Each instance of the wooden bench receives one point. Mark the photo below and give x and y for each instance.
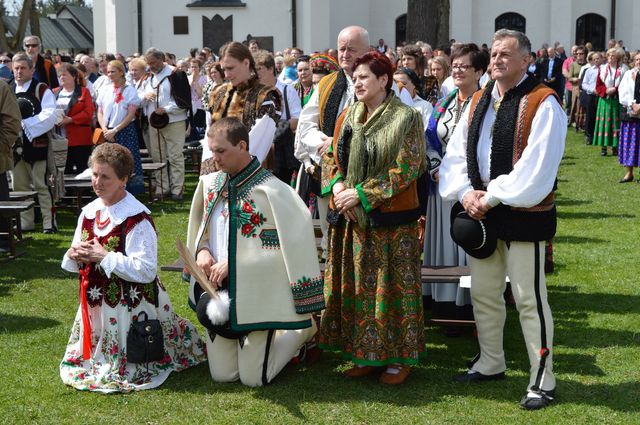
(10, 211)
(148, 169)
(193, 155)
(77, 190)
(23, 196)
(446, 275)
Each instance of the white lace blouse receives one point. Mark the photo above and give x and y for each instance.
(141, 244)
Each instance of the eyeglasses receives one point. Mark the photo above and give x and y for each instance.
(458, 67)
(31, 45)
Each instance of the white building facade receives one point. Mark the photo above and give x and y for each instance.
(127, 26)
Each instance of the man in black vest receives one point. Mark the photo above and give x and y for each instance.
(501, 164)
(38, 109)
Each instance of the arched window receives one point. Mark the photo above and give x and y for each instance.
(511, 21)
(401, 29)
(591, 27)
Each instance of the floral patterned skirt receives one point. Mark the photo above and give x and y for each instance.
(607, 122)
(373, 294)
(107, 369)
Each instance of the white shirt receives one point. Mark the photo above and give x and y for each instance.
(425, 108)
(447, 86)
(627, 87)
(589, 77)
(165, 100)
(43, 122)
(141, 244)
(99, 84)
(218, 241)
(292, 99)
(114, 113)
(308, 134)
(532, 177)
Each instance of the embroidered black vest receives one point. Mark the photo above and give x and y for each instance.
(510, 135)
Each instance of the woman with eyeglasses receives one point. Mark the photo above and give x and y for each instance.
(469, 63)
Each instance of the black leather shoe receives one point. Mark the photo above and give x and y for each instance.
(477, 377)
(626, 180)
(50, 231)
(535, 400)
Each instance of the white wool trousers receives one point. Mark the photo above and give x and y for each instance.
(523, 262)
(259, 359)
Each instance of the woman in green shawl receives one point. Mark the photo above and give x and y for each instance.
(372, 280)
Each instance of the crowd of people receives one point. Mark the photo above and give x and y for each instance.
(440, 157)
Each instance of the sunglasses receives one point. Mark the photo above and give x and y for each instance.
(31, 45)
(5, 60)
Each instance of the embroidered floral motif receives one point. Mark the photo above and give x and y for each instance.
(112, 243)
(269, 238)
(85, 235)
(249, 218)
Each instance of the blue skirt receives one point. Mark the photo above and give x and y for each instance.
(128, 137)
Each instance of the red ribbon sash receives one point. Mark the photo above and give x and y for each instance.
(86, 322)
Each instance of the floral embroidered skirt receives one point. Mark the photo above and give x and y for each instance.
(107, 369)
(607, 122)
(373, 294)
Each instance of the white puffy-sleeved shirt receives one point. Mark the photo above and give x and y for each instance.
(44, 121)
(627, 87)
(116, 102)
(160, 83)
(141, 245)
(532, 177)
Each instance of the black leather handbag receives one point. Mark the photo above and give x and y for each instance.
(145, 342)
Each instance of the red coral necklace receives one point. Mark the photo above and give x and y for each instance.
(102, 224)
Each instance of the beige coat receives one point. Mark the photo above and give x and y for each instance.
(274, 275)
(10, 126)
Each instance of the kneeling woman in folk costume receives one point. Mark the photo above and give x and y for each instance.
(372, 280)
(253, 239)
(114, 250)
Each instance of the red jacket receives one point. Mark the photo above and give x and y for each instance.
(81, 110)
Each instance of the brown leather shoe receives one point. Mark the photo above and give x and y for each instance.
(359, 372)
(398, 378)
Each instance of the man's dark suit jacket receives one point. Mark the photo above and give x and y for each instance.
(557, 82)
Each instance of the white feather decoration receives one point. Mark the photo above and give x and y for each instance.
(218, 308)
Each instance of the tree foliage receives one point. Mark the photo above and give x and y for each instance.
(428, 20)
(29, 11)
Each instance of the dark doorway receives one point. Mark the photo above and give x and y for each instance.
(511, 21)
(216, 32)
(401, 29)
(591, 28)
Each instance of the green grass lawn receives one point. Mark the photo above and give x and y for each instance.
(594, 295)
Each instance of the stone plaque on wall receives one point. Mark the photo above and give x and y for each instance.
(216, 32)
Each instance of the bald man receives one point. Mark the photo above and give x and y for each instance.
(317, 120)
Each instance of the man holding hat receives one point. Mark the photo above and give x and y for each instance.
(501, 164)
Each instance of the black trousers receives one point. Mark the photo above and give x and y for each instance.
(590, 105)
(4, 196)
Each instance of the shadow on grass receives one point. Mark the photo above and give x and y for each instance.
(571, 202)
(567, 215)
(13, 324)
(577, 239)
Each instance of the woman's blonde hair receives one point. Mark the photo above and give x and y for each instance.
(119, 66)
(443, 62)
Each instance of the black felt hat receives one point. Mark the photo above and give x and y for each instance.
(478, 238)
(27, 107)
(158, 120)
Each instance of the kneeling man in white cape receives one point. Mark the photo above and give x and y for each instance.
(253, 238)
